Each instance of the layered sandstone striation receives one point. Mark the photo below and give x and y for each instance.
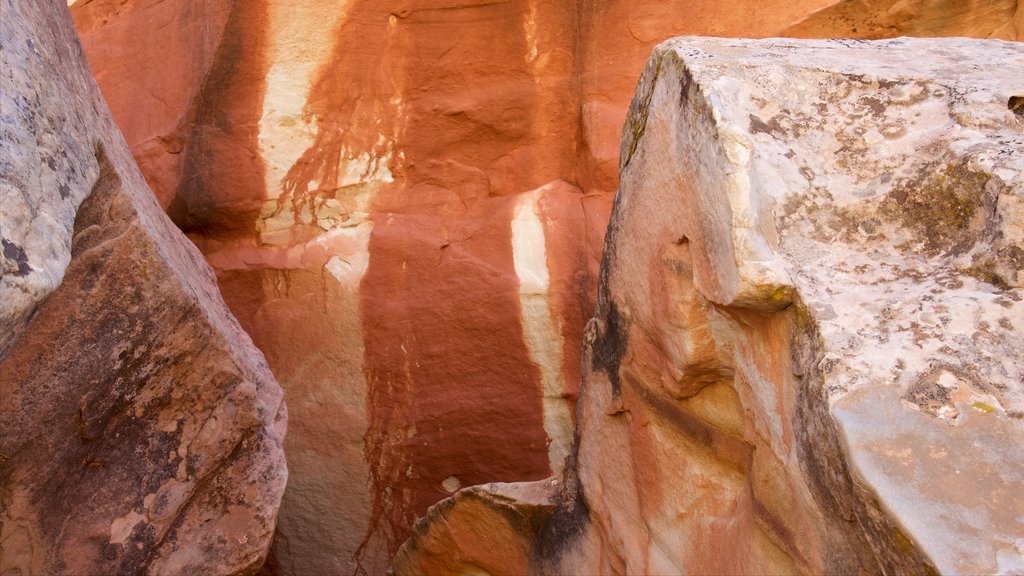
(875, 19)
(141, 430)
(807, 353)
(404, 202)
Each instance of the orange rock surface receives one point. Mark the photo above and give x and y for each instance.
(405, 202)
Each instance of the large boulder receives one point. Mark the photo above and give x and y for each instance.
(404, 201)
(140, 429)
(807, 355)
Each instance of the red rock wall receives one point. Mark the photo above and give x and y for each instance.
(366, 177)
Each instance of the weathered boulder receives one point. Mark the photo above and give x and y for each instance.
(807, 355)
(140, 429)
(404, 201)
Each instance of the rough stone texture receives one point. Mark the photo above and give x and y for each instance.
(875, 19)
(404, 202)
(807, 355)
(485, 529)
(140, 429)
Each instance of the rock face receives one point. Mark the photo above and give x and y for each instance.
(140, 429)
(807, 354)
(874, 19)
(404, 202)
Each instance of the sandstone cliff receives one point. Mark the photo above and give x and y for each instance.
(807, 353)
(405, 202)
(140, 429)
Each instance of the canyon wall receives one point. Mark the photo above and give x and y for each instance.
(807, 353)
(141, 431)
(405, 203)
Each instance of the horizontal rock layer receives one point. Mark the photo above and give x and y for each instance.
(807, 355)
(140, 429)
(405, 203)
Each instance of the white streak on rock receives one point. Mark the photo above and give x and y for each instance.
(543, 341)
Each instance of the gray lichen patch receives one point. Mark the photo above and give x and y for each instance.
(940, 206)
(935, 392)
(15, 261)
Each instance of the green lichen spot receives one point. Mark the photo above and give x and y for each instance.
(904, 543)
(983, 407)
(780, 295)
(636, 119)
(985, 271)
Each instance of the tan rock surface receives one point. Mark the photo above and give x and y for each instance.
(874, 19)
(807, 356)
(404, 202)
(140, 429)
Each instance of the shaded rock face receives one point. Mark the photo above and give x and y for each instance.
(140, 429)
(405, 204)
(807, 352)
(874, 19)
